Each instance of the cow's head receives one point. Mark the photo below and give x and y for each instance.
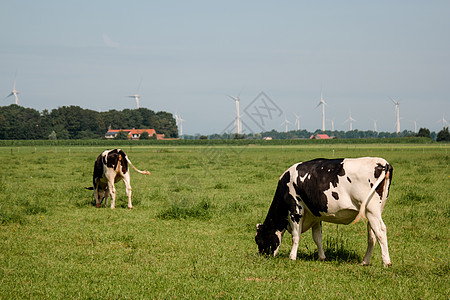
(100, 192)
(267, 240)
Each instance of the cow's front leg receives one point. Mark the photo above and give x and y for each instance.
(295, 220)
(317, 237)
(106, 199)
(97, 198)
(279, 234)
(112, 192)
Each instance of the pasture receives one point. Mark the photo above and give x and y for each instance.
(191, 232)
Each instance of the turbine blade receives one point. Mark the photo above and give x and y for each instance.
(395, 102)
(15, 77)
(139, 85)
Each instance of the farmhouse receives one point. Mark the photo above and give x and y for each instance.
(320, 137)
(133, 134)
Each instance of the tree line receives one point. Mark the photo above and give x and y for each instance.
(442, 135)
(74, 122)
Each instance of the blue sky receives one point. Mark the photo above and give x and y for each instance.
(191, 54)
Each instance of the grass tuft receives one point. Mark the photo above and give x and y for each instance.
(414, 195)
(186, 210)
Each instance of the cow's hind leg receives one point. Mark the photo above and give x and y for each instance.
(371, 239)
(317, 237)
(126, 181)
(379, 230)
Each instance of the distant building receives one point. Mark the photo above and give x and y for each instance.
(320, 137)
(133, 134)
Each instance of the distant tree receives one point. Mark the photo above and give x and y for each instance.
(203, 137)
(122, 135)
(424, 132)
(443, 135)
(20, 123)
(86, 135)
(144, 136)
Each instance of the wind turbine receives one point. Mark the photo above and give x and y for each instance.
(297, 121)
(397, 113)
(238, 117)
(443, 120)
(286, 122)
(14, 92)
(179, 121)
(136, 96)
(323, 103)
(332, 124)
(350, 120)
(375, 126)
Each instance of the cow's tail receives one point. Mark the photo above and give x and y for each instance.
(383, 176)
(145, 172)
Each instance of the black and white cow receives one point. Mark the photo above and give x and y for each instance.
(110, 167)
(331, 190)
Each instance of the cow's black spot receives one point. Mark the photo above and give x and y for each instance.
(98, 169)
(371, 185)
(378, 169)
(335, 195)
(348, 178)
(124, 162)
(296, 218)
(321, 173)
(115, 157)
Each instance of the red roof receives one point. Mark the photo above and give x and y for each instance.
(320, 137)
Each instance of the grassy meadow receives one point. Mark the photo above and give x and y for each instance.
(191, 232)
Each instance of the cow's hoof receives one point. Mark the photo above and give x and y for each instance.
(322, 258)
(98, 205)
(292, 257)
(387, 265)
(365, 264)
(130, 207)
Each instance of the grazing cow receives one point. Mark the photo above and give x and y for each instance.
(331, 190)
(110, 167)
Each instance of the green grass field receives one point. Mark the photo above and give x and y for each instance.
(191, 232)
